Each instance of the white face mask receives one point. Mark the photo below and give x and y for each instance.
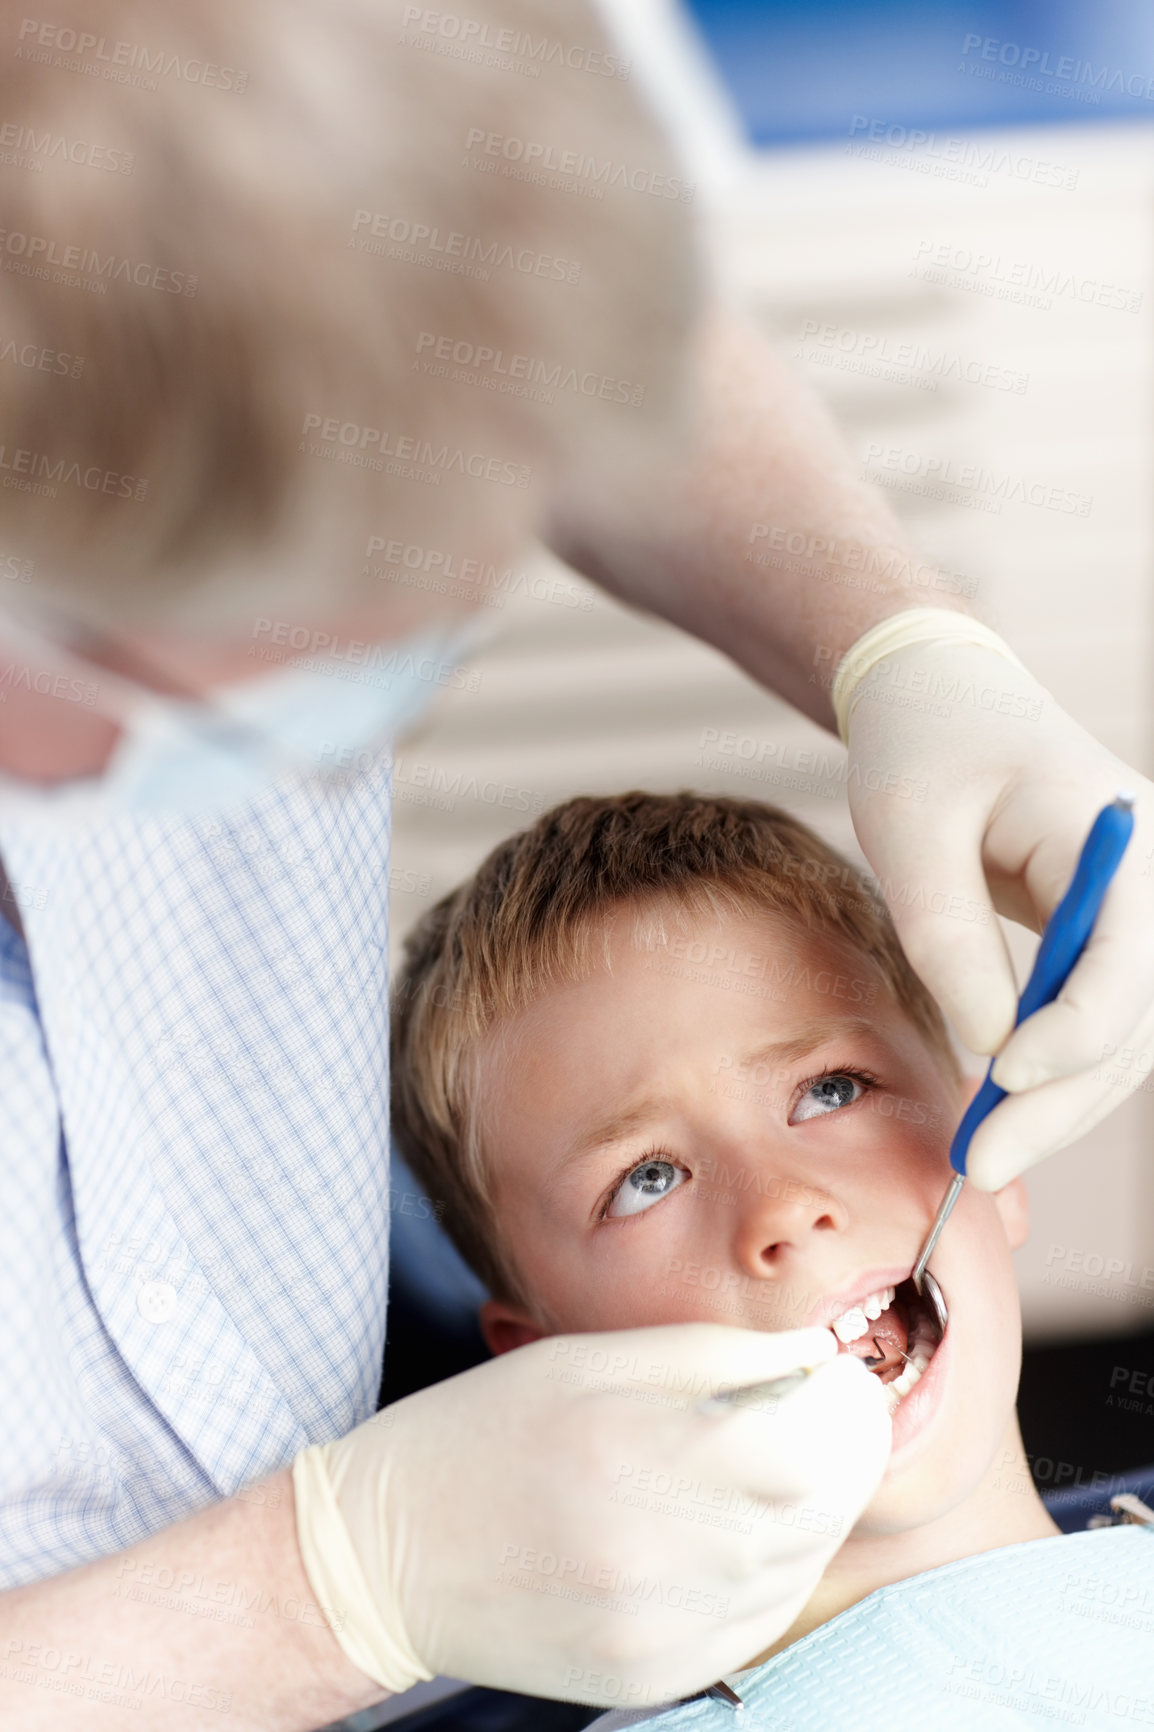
(195, 759)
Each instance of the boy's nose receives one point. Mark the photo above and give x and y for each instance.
(775, 1224)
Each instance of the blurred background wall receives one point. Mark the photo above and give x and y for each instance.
(944, 214)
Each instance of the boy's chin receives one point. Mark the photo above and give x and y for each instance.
(898, 1508)
(924, 1492)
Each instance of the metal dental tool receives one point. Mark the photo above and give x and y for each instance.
(723, 1692)
(758, 1394)
(1063, 941)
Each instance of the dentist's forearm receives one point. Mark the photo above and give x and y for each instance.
(209, 1623)
(768, 545)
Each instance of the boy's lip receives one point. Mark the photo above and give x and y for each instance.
(917, 1408)
(833, 1305)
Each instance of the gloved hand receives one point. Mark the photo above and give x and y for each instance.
(1011, 786)
(566, 1521)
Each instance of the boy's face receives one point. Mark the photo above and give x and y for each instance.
(739, 1126)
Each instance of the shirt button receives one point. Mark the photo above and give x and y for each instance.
(156, 1301)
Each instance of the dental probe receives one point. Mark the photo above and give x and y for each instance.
(1066, 935)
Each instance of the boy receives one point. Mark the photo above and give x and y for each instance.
(663, 1060)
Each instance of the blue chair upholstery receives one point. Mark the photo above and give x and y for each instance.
(1072, 1509)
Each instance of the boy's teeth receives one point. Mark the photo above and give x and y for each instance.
(902, 1385)
(852, 1324)
(850, 1327)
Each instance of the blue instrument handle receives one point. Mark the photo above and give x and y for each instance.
(1063, 941)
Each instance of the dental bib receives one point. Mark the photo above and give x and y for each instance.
(1053, 1632)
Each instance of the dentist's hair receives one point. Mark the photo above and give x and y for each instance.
(282, 274)
(537, 912)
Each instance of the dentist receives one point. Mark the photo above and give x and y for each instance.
(226, 408)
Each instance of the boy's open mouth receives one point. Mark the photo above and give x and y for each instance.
(894, 1332)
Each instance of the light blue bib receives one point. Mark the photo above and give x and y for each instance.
(1056, 1632)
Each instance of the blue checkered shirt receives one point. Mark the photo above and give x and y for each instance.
(193, 1160)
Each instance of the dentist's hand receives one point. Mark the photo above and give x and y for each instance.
(566, 1520)
(1011, 786)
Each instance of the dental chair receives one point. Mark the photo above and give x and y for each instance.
(1082, 1507)
(434, 1296)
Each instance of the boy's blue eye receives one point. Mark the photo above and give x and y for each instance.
(826, 1095)
(645, 1185)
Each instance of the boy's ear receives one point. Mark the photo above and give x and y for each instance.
(1013, 1204)
(507, 1326)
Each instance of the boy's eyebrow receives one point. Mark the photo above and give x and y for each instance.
(807, 1037)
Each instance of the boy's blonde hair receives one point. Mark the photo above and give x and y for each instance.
(235, 222)
(529, 916)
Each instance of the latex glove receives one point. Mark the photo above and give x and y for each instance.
(1011, 786)
(546, 1521)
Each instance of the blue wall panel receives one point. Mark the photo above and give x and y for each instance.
(806, 70)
